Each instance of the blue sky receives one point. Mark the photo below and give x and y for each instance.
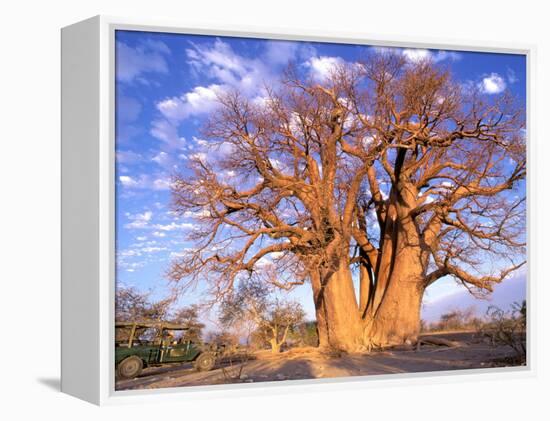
(165, 86)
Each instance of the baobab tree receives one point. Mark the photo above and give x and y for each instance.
(388, 174)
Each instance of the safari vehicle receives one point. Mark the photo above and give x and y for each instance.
(144, 344)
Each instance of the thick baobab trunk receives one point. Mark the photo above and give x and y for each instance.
(397, 319)
(338, 319)
(389, 309)
(395, 315)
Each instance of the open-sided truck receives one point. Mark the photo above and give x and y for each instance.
(143, 344)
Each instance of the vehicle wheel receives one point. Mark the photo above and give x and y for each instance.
(205, 361)
(130, 367)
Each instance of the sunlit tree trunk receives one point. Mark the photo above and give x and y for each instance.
(397, 319)
(389, 297)
(338, 316)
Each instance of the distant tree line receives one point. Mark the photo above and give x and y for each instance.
(497, 326)
(250, 316)
(136, 306)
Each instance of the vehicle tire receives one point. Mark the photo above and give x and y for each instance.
(130, 367)
(205, 361)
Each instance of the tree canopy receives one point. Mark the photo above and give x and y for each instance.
(387, 168)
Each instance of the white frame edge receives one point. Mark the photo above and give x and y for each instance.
(80, 280)
(88, 217)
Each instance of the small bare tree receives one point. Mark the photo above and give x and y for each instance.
(457, 319)
(130, 304)
(273, 317)
(133, 305)
(190, 316)
(508, 327)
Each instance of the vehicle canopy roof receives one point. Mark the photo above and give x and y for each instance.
(148, 324)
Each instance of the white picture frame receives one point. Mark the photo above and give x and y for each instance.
(88, 244)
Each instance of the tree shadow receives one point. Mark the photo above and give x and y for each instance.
(53, 383)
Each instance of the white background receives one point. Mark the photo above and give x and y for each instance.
(30, 194)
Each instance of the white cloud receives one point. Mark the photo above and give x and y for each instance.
(279, 52)
(219, 58)
(199, 156)
(446, 55)
(201, 142)
(136, 251)
(218, 61)
(161, 184)
(320, 68)
(159, 234)
(163, 159)
(177, 254)
(226, 70)
(170, 107)
(138, 221)
(157, 46)
(130, 267)
(419, 54)
(145, 216)
(367, 141)
(197, 214)
(153, 249)
(173, 226)
(200, 100)
(128, 181)
(492, 84)
(129, 253)
(127, 157)
(167, 132)
(416, 54)
(511, 76)
(221, 69)
(145, 181)
(134, 62)
(264, 261)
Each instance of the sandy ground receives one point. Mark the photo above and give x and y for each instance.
(308, 363)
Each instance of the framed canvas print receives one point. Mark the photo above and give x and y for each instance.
(245, 210)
